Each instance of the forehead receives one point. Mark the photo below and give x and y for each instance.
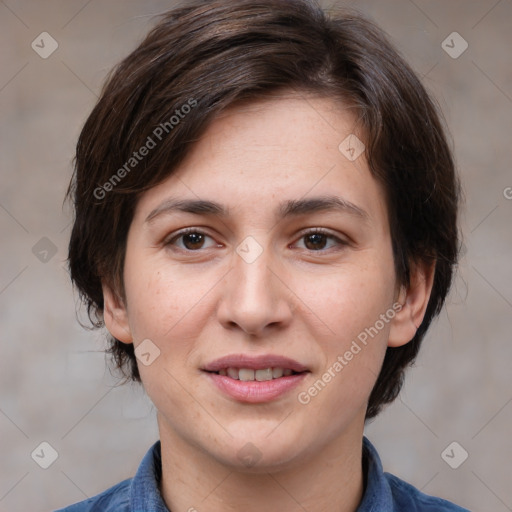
(288, 146)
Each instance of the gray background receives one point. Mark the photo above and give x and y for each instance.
(55, 386)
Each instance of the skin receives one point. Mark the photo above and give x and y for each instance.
(198, 301)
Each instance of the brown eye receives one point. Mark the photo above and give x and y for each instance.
(315, 241)
(318, 240)
(191, 240)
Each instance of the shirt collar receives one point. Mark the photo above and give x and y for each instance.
(377, 496)
(144, 491)
(145, 494)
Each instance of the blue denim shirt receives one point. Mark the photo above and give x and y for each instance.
(384, 492)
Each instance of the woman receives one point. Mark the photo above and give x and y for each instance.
(266, 224)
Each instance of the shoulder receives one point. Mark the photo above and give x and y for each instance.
(130, 494)
(115, 499)
(387, 493)
(407, 497)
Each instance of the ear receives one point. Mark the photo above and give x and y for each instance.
(414, 300)
(115, 316)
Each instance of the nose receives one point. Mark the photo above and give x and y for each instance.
(255, 297)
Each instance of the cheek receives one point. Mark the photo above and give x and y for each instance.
(352, 305)
(351, 299)
(168, 308)
(162, 300)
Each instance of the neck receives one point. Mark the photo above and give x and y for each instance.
(330, 480)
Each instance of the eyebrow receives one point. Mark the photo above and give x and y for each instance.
(289, 208)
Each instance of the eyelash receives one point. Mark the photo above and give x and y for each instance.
(311, 231)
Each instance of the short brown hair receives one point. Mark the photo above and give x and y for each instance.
(211, 54)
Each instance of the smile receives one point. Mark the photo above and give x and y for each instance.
(255, 379)
(248, 374)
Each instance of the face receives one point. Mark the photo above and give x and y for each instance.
(276, 264)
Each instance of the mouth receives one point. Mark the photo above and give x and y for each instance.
(255, 379)
(260, 375)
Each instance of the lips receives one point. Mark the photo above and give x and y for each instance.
(255, 378)
(243, 361)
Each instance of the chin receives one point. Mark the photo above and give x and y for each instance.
(250, 459)
(259, 454)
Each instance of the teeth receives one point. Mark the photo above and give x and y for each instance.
(265, 374)
(245, 374)
(277, 372)
(248, 374)
(233, 373)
